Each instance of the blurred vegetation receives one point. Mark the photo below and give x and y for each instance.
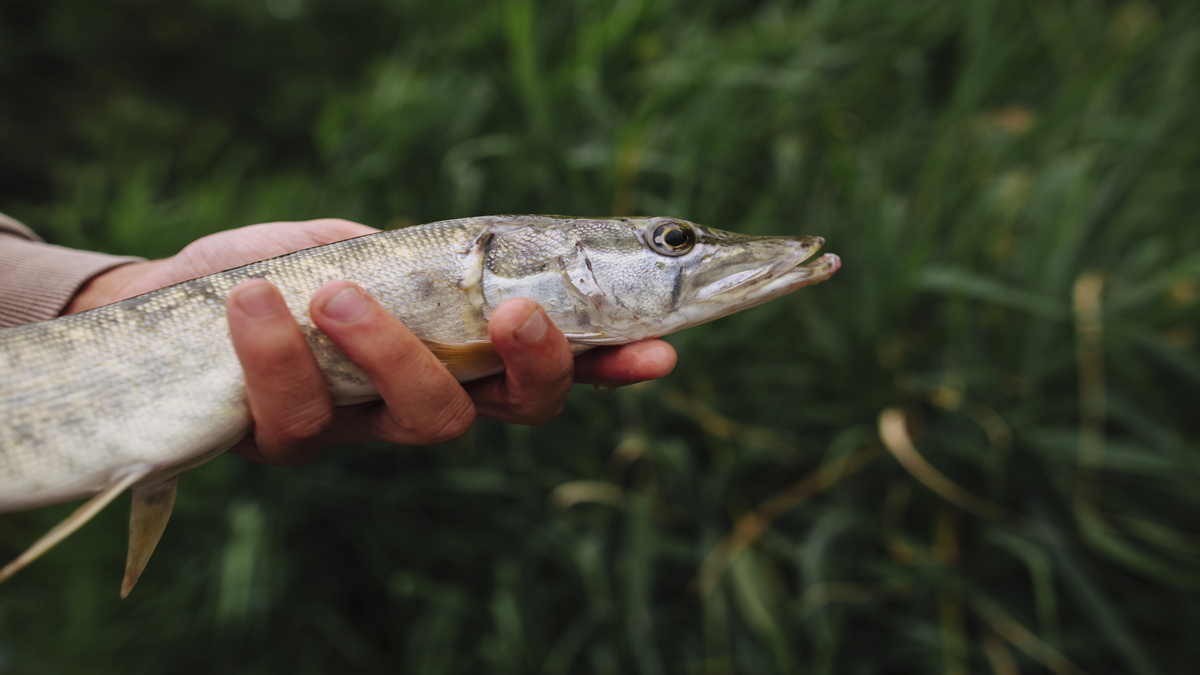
(969, 452)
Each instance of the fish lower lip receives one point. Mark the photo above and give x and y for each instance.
(799, 276)
(822, 267)
(791, 278)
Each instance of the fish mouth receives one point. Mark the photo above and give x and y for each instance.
(799, 276)
(786, 274)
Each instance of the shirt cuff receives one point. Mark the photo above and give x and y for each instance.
(13, 227)
(38, 280)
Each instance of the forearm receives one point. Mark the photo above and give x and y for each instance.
(39, 280)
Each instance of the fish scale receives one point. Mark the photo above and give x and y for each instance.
(132, 394)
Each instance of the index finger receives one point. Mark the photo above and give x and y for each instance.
(423, 402)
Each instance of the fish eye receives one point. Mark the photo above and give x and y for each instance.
(672, 238)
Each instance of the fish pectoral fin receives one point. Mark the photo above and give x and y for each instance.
(468, 360)
(148, 518)
(76, 520)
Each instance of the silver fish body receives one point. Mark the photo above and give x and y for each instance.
(153, 382)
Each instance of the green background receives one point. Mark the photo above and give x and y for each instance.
(1013, 189)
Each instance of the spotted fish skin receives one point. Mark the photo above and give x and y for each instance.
(154, 380)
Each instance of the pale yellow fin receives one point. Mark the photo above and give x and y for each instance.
(148, 518)
(74, 521)
(469, 360)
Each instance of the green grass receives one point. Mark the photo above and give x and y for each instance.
(1012, 187)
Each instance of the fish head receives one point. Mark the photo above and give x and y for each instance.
(618, 280)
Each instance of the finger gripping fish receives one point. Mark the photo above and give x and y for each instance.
(133, 394)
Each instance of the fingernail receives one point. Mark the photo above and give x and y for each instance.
(346, 305)
(604, 388)
(258, 300)
(534, 328)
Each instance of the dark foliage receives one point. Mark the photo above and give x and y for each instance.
(1012, 187)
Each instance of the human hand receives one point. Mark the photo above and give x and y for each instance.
(421, 403)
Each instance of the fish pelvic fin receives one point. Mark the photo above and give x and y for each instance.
(76, 520)
(148, 516)
(468, 360)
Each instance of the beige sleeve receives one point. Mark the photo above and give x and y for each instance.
(37, 280)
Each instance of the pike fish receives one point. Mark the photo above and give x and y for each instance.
(131, 395)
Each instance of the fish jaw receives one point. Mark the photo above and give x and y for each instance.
(794, 279)
(764, 290)
(740, 278)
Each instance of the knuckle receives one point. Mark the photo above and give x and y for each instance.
(554, 372)
(536, 405)
(403, 356)
(564, 376)
(565, 372)
(538, 412)
(302, 428)
(452, 422)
